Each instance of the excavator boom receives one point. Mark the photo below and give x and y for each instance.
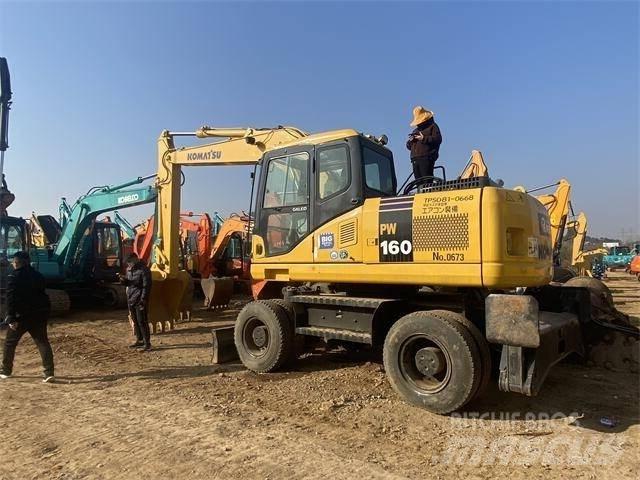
(558, 205)
(237, 146)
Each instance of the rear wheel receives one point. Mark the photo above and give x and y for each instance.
(432, 362)
(263, 336)
(481, 342)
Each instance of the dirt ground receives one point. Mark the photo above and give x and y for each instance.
(170, 413)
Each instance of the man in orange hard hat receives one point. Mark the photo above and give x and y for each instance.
(424, 143)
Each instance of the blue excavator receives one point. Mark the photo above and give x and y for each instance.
(82, 256)
(87, 256)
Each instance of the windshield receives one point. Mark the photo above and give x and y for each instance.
(11, 240)
(378, 172)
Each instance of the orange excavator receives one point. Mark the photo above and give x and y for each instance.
(195, 240)
(229, 261)
(216, 253)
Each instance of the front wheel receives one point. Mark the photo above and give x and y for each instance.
(263, 336)
(432, 362)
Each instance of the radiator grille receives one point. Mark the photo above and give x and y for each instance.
(442, 232)
(347, 234)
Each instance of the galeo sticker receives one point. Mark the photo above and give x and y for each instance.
(326, 240)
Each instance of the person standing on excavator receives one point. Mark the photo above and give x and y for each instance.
(424, 144)
(137, 279)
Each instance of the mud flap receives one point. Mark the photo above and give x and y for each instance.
(524, 370)
(224, 348)
(168, 297)
(532, 341)
(217, 291)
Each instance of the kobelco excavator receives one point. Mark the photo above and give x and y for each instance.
(327, 210)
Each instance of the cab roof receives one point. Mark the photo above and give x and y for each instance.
(322, 137)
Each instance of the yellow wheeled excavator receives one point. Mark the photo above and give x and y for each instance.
(327, 209)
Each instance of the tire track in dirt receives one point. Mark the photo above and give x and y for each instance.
(109, 434)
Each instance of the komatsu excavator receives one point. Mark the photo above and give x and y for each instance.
(327, 210)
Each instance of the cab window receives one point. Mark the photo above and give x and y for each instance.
(333, 171)
(12, 237)
(378, 172)
(286, 198)
(287, 183)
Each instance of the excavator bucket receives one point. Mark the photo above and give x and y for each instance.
(169, 296)
(217, 291)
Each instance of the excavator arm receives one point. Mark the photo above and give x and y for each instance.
(124, 225)
(579, 225)
(96, 202)
(236, 146)
(203, 230)
(240, 146)
(558, 205)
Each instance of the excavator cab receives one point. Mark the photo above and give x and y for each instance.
(303, 187)
(100, 255)
(13, 238)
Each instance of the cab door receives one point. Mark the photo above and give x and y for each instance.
(107, 253)
(284, 213)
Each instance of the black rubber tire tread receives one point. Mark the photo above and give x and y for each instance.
(465, 376)
(298, 340)
(280, 330)
(60, 302)
(286, 306)
(481, 342)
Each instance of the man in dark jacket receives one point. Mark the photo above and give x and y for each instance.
(424, 143)
(27, 311)
(138, 282)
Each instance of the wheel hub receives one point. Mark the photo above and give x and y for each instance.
(430, 361)
(259, 336)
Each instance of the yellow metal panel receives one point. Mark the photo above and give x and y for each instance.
(390, 273)
(516, 242)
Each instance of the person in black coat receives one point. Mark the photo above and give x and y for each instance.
(138, 282)
(28, 310)
(424, 144)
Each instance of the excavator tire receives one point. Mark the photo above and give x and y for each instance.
(263, 336)
(483, 346)
(298, 340)
(612, 341)
(60, 302)
(432, 362)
